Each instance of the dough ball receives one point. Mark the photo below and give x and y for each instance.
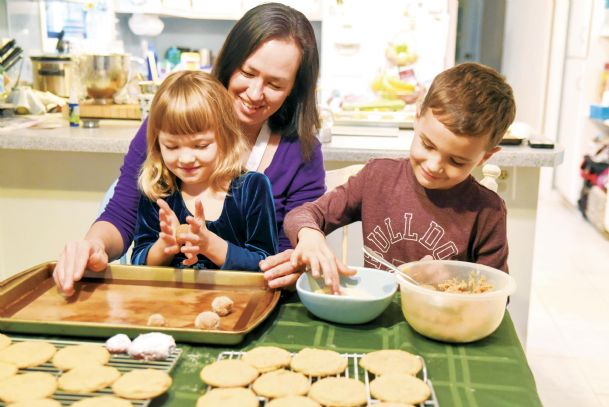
(156, 320)
(222, 305)
(207, 320)
(181, 229)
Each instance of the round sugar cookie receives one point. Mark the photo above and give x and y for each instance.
(28, 353)
(228, 397)
(293, 401)
(228, 373)
(142, 384)
(267, 358)
(7, 370)
(27, 386)
(399, 387)
(80, 355)
(36, 403)
(391, 361)
(318, 362)
(88, 378)
(339, 392)
(102, 401)
(280, 383)
(5, 341)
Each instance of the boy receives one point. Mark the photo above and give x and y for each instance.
(427, 205)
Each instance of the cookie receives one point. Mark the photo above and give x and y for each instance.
(37, 403)
(228, 373)
(391, 361)
(102, 401)
(28, 353)
(293, 401)
(27, 386)
(399, 387)
(339, 392)
(7, 370)
(280, 383)
(79, 355)
(142, 384)
(267, 358)
(5, 341)
(88, 378)
(229, 397)
(222, 305)
(318, 362)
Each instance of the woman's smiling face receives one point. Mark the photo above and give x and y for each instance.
(264, 81)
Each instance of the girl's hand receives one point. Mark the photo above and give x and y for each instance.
(198, 239)
(312, 250)
(169, 223)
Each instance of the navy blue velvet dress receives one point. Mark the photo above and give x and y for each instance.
(247, 223)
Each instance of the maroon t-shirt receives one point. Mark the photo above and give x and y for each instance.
(405, 222)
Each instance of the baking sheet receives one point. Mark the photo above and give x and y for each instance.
(121, 299)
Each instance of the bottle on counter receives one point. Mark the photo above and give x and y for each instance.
(73, 110)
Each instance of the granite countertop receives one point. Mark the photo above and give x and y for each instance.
(114, 136)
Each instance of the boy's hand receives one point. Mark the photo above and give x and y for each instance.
(313, 251)
(198, 238)
(168, 223)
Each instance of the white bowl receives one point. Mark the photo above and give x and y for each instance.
(374, 289)
(454, 317)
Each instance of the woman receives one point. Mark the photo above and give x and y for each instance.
(270, 64)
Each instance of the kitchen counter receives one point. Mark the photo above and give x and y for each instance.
(53, 180)
(114, 136)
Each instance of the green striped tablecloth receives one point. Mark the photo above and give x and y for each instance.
(492, 372)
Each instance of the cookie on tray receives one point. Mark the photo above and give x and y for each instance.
(36, 403)
(339, 392)
(7, 370)
(27, 386)
(142, 384)
(267, 358)
(318, 362)
(28, 353)
(280, 383)
(400, 387)
(80, 355)
(88, 378)
(391, 361)
(228, 397)
(293, 401)
(228, 373)
(5, 341)
(102, 401)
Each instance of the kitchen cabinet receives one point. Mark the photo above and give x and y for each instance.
(209, 9)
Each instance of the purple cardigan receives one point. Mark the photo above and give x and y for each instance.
(293, 181)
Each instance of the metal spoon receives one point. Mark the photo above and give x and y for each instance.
(399, 274)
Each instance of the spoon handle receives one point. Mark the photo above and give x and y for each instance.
(403, 277)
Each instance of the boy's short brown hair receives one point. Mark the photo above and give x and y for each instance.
(473, 100)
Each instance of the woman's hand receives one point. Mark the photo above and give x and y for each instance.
(279, 271)
(169, 223)
(76, 257)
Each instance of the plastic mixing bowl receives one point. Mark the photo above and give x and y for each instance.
(451, 316)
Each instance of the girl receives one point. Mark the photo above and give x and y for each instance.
(194, 161)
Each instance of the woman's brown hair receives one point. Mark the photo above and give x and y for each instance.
(187, 103)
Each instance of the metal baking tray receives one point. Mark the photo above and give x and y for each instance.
(354, 370)
(120, 300)
(124, 363)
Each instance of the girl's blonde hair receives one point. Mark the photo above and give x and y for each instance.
(187, 103)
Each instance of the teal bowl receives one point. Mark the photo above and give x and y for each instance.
(368, 293)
